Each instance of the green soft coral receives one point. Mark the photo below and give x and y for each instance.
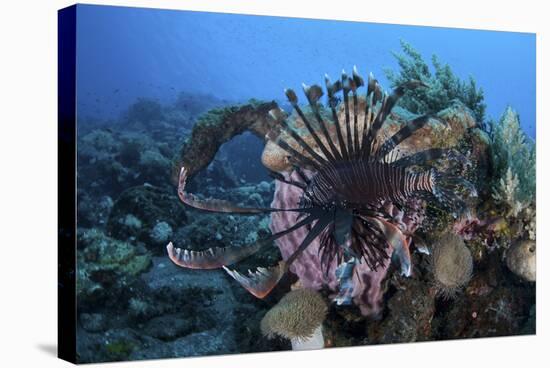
(514, 177)
(514, 156)
(444, 85)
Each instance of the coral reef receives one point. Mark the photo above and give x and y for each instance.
(138, 211)
(410, 314)
(112, 161)
(217, 127)
(106, 265)
(452, 264)
(492, 305)
(144, 113)
(134, 305)
(514, 178)
(445, 86)
(170, 313)
(161, 232)
(456, 128)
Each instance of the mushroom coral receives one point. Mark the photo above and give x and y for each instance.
(299, 317)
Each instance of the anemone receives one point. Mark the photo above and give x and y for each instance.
(298, 317)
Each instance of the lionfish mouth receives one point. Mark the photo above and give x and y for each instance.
(345, 178)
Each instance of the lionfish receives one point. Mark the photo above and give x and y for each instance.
(345, 179)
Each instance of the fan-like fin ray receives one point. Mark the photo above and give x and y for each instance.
(260, 282)
(403, 133)
(388, 102)
(313, 94)
(371, 244)
(303, 143)
(280, 177)
(294, 155)
(400, 245)
(356, 82)
(332, 89)
(374, 95)
(345, 91)
(317, 229)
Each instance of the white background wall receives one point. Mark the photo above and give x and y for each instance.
(28, 179)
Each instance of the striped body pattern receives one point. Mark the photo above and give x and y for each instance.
(359, 184)
(352, 180)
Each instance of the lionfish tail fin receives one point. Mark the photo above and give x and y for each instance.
(261, 281)
(451, 191)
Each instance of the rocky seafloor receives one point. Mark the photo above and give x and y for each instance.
(134, 303)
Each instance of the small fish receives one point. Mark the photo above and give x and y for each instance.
(344, 274)
(420, 245)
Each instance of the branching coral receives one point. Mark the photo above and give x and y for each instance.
(513, 160)
(507, 190)
(445, 86)
(514, 178)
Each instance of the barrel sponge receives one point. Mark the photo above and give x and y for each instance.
(521, 259)
(297, 315)
(452, 264)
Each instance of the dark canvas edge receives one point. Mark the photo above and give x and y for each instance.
(66, 187)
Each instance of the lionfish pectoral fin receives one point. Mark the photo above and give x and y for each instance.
(219, 205)
(211, 204)
(218, 257)
(315, 231)
(280, 177)
(399, 243)
(402, 255)
(260, 282)
(211, 258)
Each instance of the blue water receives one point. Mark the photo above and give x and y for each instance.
(125, 53)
